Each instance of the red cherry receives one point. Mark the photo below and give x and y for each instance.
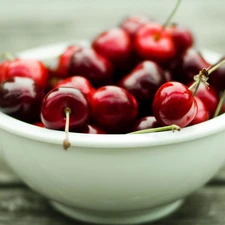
(78, 82)
(114, 109)
(217, 79)
(189, 65)
(3, 70)
(153, 42)
(132, 23)
(208, 96)
(57, 101)
(116, 46)
(147, 122)
(21, 97)
(92, 129)
(39, 124)
(60, 68)
(181, 36)
(142, 83)
(173, 104)
(202, 112)
(89, 64)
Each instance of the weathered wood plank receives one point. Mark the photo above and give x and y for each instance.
(21, 206)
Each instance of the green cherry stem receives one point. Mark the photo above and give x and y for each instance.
(7, 56)
(158, 129)
(218, 108)
(172, 14)
(66, 143)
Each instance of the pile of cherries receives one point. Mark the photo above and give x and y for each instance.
(137, 76)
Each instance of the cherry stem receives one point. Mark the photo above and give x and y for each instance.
(218, 108)
(7, 56)
(66, 143)
(212, 69)
(158, 129)
(172, 14)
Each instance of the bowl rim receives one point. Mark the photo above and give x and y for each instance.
(25, 130)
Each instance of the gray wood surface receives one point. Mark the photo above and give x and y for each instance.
(26, 24)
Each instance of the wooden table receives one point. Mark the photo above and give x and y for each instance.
(25, 24)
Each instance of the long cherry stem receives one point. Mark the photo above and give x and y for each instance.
(158, 129)
(66, 143)
(219, 105)
(172, 14)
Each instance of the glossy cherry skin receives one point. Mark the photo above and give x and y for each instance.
(116, 46)
(153, 42)
(146, 122)
(78, 82)
(89, 64)
(173, 104)
(92, 129)
(60, 67)
(39, 124)
(209, 97)
(189, 65)
(217, 78)
(31, 68)
(142, 83)
(132, 23)
(54, 105)
(114, 109)
(202, 112)
(21, 97)
(182, 37)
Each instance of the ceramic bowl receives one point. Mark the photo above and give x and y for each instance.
(113, 179)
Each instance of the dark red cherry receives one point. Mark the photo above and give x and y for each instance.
(89, 64)
(92, 129)
(21, 97)
(116, 46)
(147, 122)
(189, 65)
(202, 112)
(209, 97)
(57, 101)
(217, 78)
(114, 109)
(173, 104)
(78, 82)
(143, 82)
(31, 68)
(60, 66)
(132, 23)
(182, 37)
(153, 42)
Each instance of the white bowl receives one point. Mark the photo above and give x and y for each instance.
(113, 179)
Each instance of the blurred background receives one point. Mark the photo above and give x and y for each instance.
(26, 24)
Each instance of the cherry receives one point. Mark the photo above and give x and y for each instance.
(114, 109)
(182, 37)
(146, 122)
(65, 107)
(21, 97)
(189, 65)
(92, 129)
(143, 82)
(60, 67)
(3, 70)
(31, 68)
(78, 82)
(208, 96)
(153, 42)
(39, 124)
(173, 104)
(116, 46)
(202, 112)
(217, 80)
(88, 63)
(132, 23)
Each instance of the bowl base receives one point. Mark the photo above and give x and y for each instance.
(131, 217)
